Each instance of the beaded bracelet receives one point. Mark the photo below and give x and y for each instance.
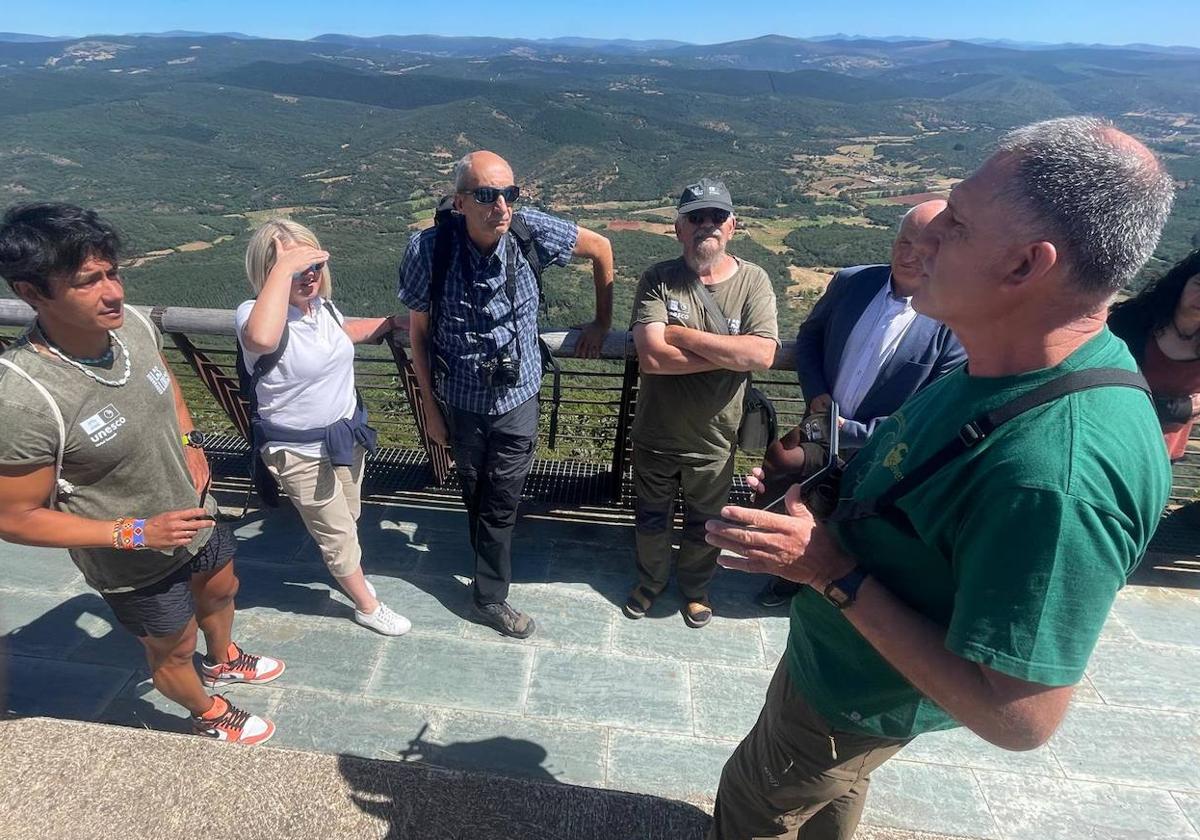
(129, 534)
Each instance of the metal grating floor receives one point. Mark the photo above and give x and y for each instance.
(402, 476)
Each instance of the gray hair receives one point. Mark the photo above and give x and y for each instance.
(1102, 196)
(462, 167)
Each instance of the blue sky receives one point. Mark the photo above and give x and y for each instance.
(1097, 21)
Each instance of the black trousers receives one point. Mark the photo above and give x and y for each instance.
(493, 454)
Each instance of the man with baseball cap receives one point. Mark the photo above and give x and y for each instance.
(701, 323)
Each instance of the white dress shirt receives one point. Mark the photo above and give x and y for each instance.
(872, 342)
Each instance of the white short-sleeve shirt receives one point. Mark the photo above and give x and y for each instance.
(313, 384)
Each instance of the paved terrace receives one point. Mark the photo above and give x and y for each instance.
(594, 699)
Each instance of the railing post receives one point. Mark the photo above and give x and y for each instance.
(438, 455)
(621, 440)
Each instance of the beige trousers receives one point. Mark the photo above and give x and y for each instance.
(328, 499)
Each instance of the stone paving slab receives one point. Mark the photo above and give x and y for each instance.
(597, 700)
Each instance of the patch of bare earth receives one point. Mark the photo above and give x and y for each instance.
(808, 279)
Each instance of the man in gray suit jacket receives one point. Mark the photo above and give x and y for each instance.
(864, 346)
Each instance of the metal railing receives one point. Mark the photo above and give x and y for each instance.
(597, 401)
(595, 406)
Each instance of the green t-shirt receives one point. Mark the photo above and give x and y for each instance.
(123, 452)
(697, 414)
(1022, 542)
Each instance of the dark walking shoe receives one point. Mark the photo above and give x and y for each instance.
(505, 619)
(777, 593)
(638, 603)
(697, 613)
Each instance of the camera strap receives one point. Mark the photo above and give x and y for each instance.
(975, 432)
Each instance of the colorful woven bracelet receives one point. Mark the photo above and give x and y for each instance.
(139, 534)
(129, 534)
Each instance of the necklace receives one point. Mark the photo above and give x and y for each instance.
(87, 371)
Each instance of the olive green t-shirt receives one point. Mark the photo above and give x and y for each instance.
(123, 453)
(1021, 543)
(697, 414)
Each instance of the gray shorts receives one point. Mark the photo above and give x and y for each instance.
(165, 607)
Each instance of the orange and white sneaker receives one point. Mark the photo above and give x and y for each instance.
(242, 667)
(226, 722)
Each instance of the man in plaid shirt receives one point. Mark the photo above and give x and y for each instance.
(482, 361)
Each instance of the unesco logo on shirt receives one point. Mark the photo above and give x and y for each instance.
(102, 426)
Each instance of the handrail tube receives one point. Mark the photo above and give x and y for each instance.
(618, 344)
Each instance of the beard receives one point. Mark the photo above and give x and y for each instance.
(707, 254)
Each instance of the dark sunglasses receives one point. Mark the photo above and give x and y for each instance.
(315, 267)
(488, 195)
(719, 217)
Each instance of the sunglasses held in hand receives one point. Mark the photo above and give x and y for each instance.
(488, 195)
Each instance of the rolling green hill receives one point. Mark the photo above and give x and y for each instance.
(187, 142)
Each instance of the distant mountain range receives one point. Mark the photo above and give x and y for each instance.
(484, 46)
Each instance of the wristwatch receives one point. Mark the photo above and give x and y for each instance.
(195, 439)
(842, 592)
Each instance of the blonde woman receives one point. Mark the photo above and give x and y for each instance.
(310, 428)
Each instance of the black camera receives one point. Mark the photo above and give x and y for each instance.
(820, 472)
(502, 372)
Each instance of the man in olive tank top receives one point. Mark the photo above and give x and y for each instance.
(98, 455)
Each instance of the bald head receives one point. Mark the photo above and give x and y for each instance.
(906, 263)
(468, 170)
(486, 222)
(1100, 196)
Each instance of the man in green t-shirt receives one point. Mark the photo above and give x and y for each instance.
(701, 323)
(977, 597)
(98, 455)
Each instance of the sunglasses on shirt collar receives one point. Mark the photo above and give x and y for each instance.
(488, 195)
(719, 217)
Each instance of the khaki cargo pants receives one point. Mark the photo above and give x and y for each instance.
(328, 500)
(794, 776)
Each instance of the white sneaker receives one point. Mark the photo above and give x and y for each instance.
(384, 621)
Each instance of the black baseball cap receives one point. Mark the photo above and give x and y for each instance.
(706, 192)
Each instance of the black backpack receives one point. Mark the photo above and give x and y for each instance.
(444, 244)
(264, 482)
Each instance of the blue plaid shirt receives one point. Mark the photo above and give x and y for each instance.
(475, 323)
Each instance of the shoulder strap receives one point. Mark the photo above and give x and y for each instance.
(145, 322)
(714, 311)
(333, 313)
(60, 484)
(978, 430)
(524, 236)
(264, 365)
(443, 245)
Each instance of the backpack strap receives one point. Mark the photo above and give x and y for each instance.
(61, 485)
(333, 313)
(524, 236)
(145, 322)
(443, 246)
(976, 431)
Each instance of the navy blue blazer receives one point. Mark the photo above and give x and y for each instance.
(928, 351)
